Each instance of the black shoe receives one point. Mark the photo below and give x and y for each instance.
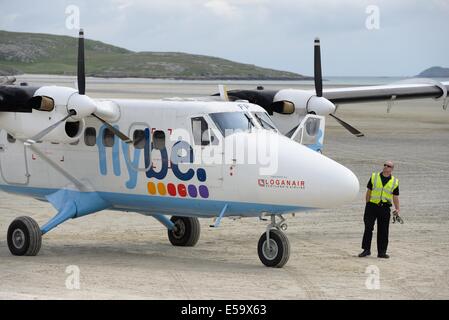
(383, 255)
(365, 253)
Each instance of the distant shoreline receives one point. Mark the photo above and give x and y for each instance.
(225, 78)
(69, 80)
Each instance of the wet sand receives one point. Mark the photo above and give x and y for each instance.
(125, 255)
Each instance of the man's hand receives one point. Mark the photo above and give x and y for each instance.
(396, 217)
(397, 211)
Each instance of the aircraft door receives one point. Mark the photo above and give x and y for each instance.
(13, 163)
(208, 152)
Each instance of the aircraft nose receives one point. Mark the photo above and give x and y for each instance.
(327, 183)
(342, 184)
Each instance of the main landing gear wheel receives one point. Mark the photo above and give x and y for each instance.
(185, 233)
(24, 237)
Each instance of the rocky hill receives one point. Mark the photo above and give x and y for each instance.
(53, 54)
(435, 72)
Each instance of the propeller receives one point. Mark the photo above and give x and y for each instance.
(117, 132)
(46, 131)
(319, 91)
(81, 77)
(317, 69)
(347, 126)
(79, 105)
(223, 92)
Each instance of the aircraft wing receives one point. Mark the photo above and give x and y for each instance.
(298, 102)
(410, 89)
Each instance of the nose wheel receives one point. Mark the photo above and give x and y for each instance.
(273, 247)
(24, 237)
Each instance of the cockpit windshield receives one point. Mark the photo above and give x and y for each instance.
(264, 120)
(229, 122)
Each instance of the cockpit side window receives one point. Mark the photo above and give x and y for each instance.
(230, 122)
(265, 121)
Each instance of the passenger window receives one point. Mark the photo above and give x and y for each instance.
(139, 139)
(159, 139)
(200, 131)
(108, 138)
(10, 138)
(90, 136)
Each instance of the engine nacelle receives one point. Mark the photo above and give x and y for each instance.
(49, 106)
(290, 106)
(301, 102)
(24, 126)
(289, 101)
(60, 95)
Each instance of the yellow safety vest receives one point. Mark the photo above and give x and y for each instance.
(382, 193)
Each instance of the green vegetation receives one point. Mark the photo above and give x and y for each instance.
(53, 54)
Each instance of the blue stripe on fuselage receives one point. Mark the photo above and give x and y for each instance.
(149, 204)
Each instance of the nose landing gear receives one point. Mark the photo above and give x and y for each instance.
(273, 247)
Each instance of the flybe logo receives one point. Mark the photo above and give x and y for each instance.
(181, 152)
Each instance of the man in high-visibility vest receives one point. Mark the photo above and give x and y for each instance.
(383, 191)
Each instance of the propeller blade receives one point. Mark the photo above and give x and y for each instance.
(81, 76)
(117, 132)
(348, 127)
(317, 69)
(46, 131)
(223, 92)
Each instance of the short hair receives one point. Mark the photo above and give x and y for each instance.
(391, 162)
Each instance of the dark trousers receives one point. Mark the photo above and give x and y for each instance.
(374, 212)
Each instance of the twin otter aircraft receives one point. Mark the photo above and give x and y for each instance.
(179, 158)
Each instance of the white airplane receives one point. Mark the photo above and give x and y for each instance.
(59, 145)
(288, 107)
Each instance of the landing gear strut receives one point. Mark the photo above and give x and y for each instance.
(273, 247)
(24, 237)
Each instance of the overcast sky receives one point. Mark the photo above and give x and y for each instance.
(412, 35)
